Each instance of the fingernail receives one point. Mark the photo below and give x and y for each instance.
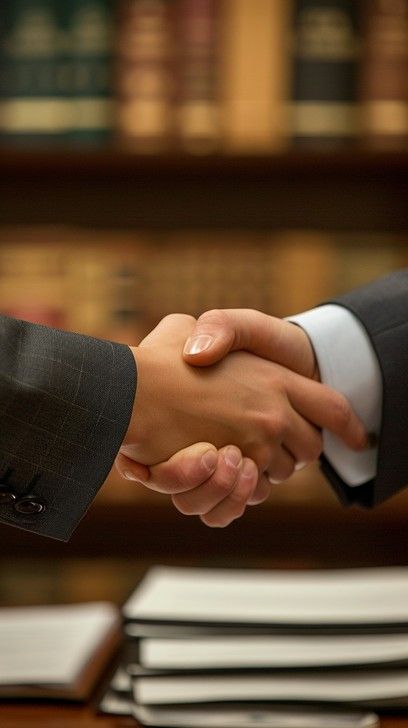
(197, 344)
(372, 440)
(209, 460)
(129, 475)
(300, 465)
(233, 457)
(248, 469)
(272, 480)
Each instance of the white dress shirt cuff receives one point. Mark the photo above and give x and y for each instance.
(347, 363)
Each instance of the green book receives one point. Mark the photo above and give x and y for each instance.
(33, 103)
(91, 35)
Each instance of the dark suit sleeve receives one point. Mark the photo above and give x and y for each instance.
(382, 308)
(65, 401)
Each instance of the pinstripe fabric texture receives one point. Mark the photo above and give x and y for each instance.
(65, 405)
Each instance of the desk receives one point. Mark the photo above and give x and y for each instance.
(29, 715)
(56, 716)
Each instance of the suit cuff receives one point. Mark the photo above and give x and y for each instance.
(348, 364)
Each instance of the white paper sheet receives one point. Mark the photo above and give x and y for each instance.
(310, 598)
(270, 651)
(50, 645)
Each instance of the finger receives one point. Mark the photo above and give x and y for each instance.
(220, 331)
(233, 506)
(302, 439)
(261, 492)
(282, 466)
(131, 470)
(326, 408)
(206, 496)
(185, 470)
(169, 329)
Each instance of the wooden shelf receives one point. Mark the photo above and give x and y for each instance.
(347, 190)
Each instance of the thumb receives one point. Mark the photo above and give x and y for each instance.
(218, 332)
(184, 471)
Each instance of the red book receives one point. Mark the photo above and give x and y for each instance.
(384, 73)
(197, 93)
(144, 73)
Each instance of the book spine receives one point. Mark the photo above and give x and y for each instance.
(33, 105)
(384, 73)
(145, 74)
(254, 74)
(91, 34)
(196, 87)
(325, 47)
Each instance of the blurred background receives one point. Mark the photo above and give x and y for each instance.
(164, 156)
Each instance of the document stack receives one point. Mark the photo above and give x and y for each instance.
(229, 647)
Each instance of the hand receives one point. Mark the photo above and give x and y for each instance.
(218, 332)
(244, 399)
(320, 404)
(215, 485)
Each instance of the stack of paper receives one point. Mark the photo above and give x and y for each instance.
(240, 646)
(56, 651)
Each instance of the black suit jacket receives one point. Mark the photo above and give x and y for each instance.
(65, 404)
(382, 308)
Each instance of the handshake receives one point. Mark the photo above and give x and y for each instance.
(225, 406)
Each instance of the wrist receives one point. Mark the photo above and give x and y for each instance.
(143, 404)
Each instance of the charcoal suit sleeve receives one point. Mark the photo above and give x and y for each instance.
(66, 402)
(382, 308)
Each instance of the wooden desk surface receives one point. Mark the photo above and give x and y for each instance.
(13, 715)
(31, 581)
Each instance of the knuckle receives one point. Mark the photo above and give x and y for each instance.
(183, 318)
(215, 316)
(185, 505)
(276, 425)
(224, 482)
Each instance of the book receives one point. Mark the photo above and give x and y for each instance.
(325, 62)
(383, 74)
(249, 652)
(196, 91)
(118, 700)
(91, 49)
(34, 88)
(380, 688)
(224, 716)
(345, 598)
(254, 74)
(145, 74)
(56, 651)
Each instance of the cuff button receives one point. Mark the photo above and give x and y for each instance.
(29, 505)
(6, 495)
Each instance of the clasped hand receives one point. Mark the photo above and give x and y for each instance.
(225, 406)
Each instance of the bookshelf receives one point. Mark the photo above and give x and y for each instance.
(342, 190)
(161, 131)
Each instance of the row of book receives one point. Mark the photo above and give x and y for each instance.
(118, 284)
(223, 647)
(204, 75)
